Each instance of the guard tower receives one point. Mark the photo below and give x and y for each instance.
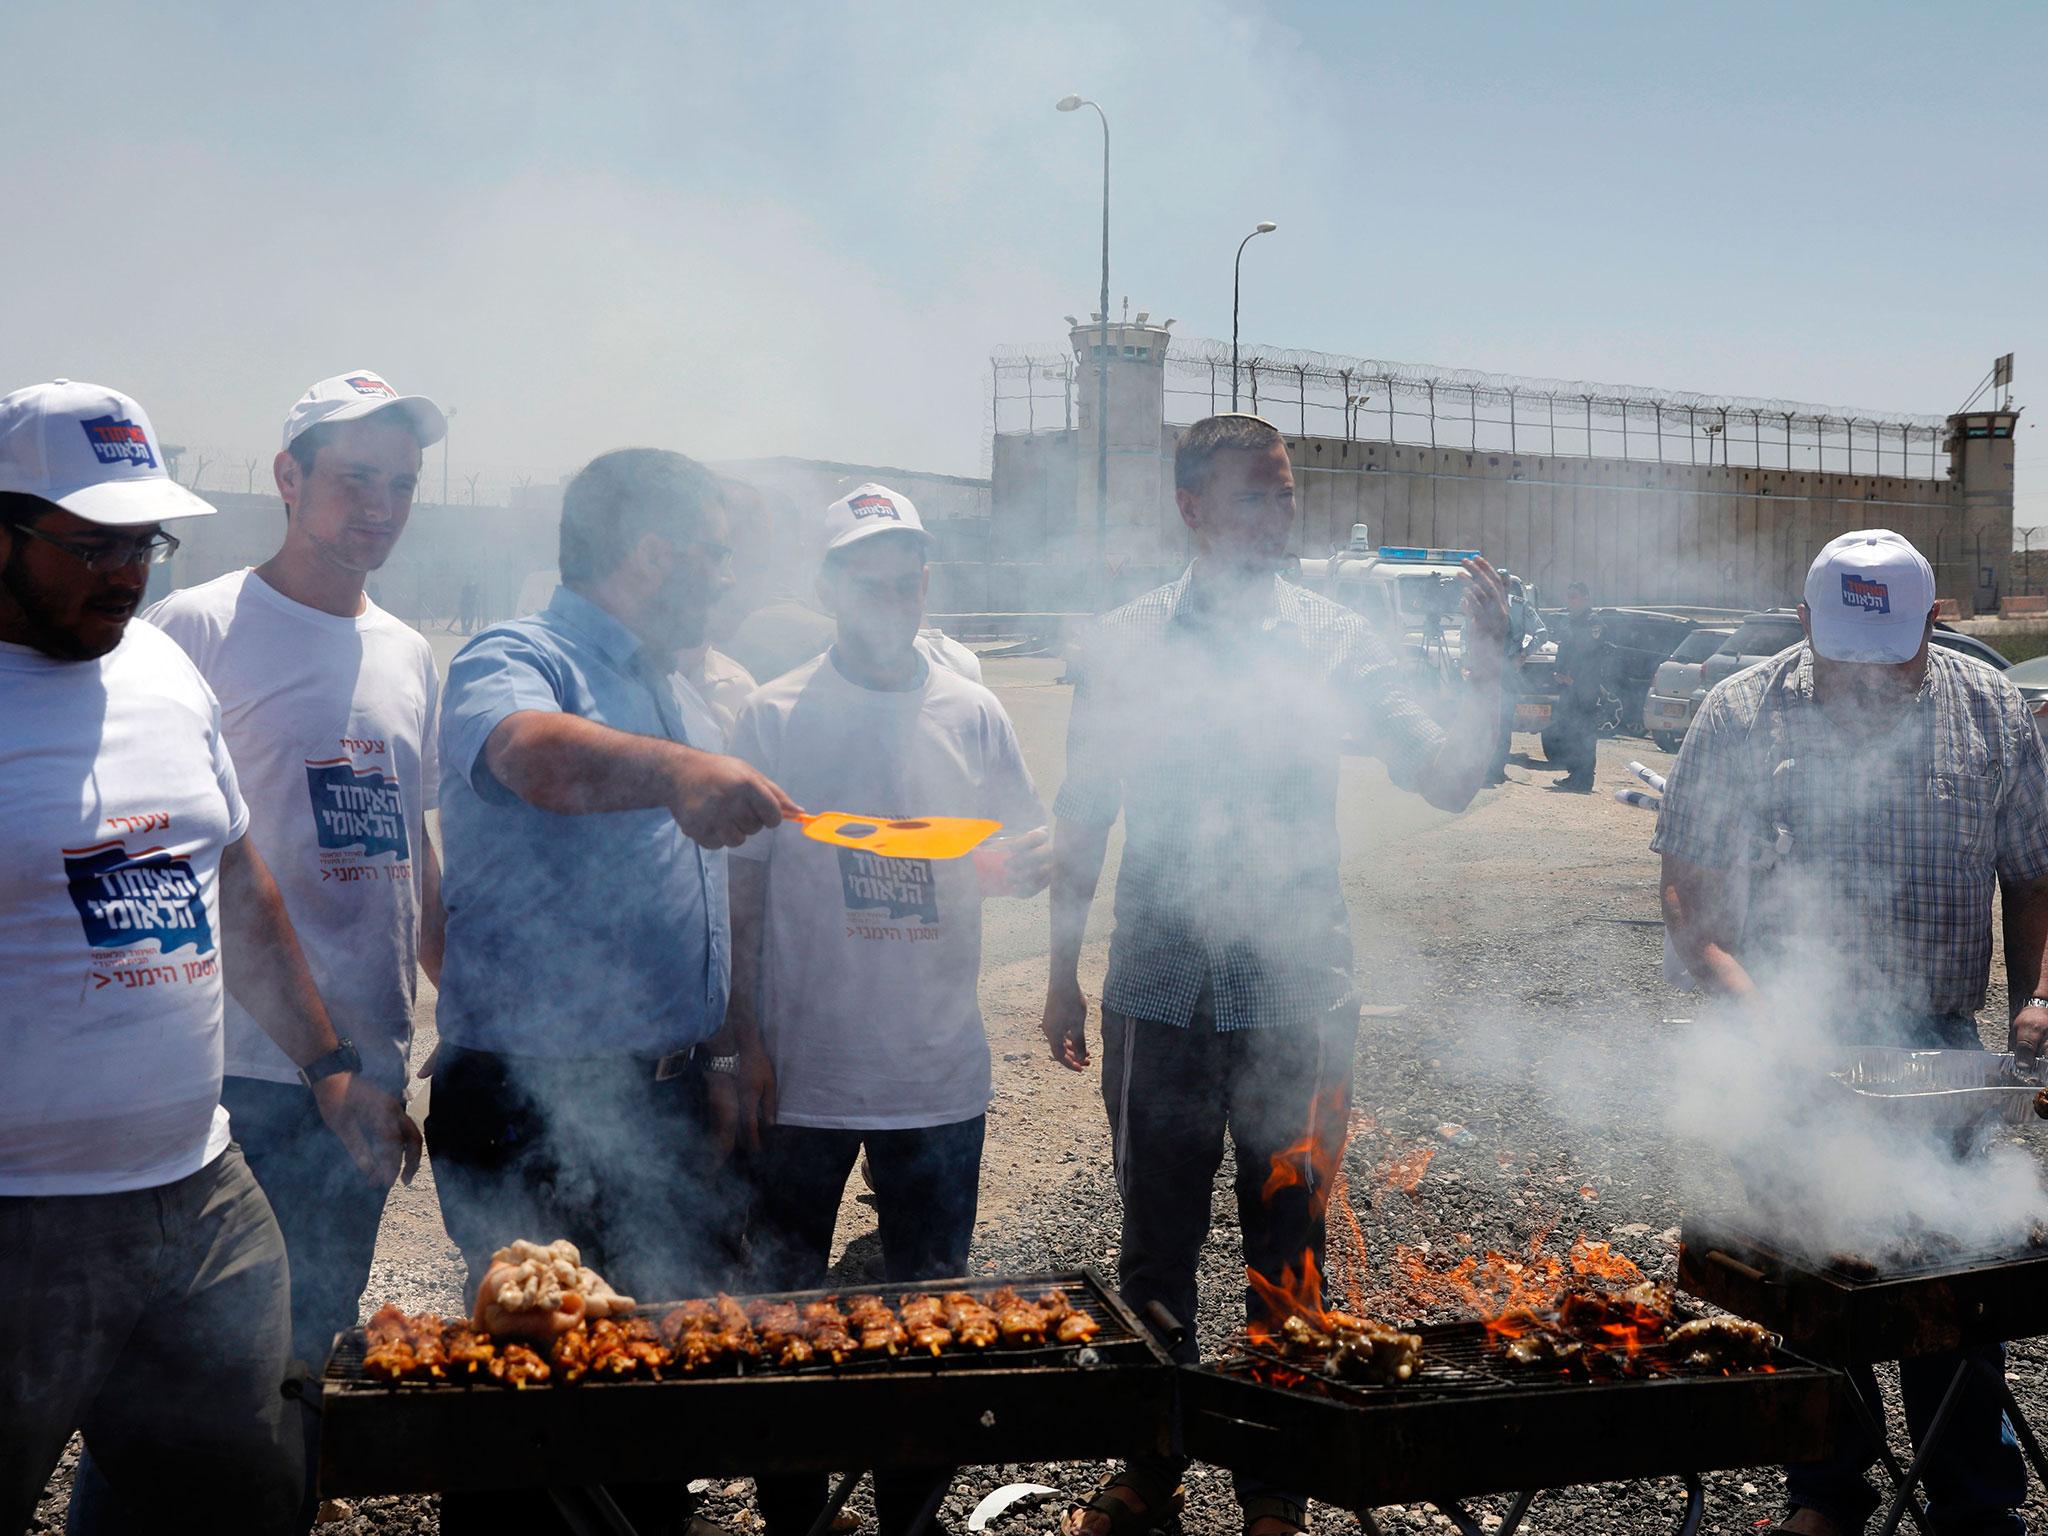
(1980, 455)
(1139, 469)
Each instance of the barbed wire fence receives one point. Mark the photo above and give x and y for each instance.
(1315, 394)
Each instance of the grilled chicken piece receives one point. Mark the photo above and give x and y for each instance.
(971, 1323)
(1543, 1348)
(393, 1361)
(1721, 1343)
(609, 1355)
(825, 1327)
(1019, 1321)
(1076, 1327)
(570, 1354)
(402, 1347)
(387, 1325)
(516, 1365)
(468, 1351)
(876, 1327)
(691, 1315)
(734, 1326)
(780, 1328)
(924, 1319)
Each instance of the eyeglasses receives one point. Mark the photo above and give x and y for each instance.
(113, 555)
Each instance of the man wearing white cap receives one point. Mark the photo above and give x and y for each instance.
(1895, 784)
(143, 1283)
(855, 978)
(329, 705)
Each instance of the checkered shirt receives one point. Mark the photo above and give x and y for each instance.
(1884, 897)
(1219, 743)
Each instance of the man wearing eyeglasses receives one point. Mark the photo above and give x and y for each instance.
(583, 1087)
(330, 710)
(143, 1282)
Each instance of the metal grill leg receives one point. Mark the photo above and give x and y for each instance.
(1695, 1505)
(1935, 1426)
(2021, 1429)
(930, 1509)
(1457, 1514)
(1871, 1416)
(592, 1511)
(836, 1503)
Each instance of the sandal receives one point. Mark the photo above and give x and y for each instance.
(1156, 1504)
(1272, 1507)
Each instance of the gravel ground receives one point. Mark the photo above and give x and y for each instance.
(1515, 1025)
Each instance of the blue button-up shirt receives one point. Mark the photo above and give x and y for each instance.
(572, 936)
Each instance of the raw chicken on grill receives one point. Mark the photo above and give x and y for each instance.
(538, 1293)
(924, 1319)
(972, 1323)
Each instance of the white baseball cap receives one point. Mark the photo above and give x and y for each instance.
(352, 396)
(91, 451)
(867, 510)
(1868, 595)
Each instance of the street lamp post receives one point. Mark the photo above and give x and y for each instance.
(450, 415)
(1263, 227)
(1074, 104)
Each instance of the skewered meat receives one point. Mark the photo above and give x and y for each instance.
(875, 1326)
(1543, 1347)
(780, 1328)
(924, 1319)
(1638, 1313)
(534, 1292)
(467, 1350)
(1069, 1323)
(402, 1347)
(1721, 1343)
(972, 1323)
(516, 1365)
(1019, 1321)
(570, 1355)
(825, 1327)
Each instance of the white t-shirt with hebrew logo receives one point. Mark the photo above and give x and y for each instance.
(871, 967)
(332, 722)
(118, 795)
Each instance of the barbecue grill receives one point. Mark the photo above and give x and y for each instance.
(1847, 1313)
(1470, 1423)
(962, 1407)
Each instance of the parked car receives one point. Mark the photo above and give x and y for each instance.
(1643, 638)
(1764, 635)
(1675, 689)
(2031, 678)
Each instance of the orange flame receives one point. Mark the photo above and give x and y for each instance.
(1315, 1163)
(1510, 1296)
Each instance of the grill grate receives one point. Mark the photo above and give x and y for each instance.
(1458, 1359)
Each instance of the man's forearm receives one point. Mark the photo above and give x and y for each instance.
(1468, 747)
(262, 965)
(433, 916)
(2026, 938)
(1078, 852)
(574, 767)
(1702, 928)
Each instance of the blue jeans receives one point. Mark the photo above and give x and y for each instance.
(1977, 1478)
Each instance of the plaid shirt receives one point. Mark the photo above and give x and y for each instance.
(1219, 743)
(1884, 898)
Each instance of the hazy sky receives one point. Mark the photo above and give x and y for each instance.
(743, 230)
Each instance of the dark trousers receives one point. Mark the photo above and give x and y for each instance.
(598, 1152)
(155, 1321)
(1173, 1095)
(1976, 1480)
(1573, 741)
(595, 1151)
(927, 1183)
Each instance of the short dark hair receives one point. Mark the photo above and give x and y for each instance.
(1580, 588)
(307, 445)
(1212, 435)
(620, 496)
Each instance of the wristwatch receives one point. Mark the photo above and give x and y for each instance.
(343, 1058)
(725, 1066)
(2034, 1002)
